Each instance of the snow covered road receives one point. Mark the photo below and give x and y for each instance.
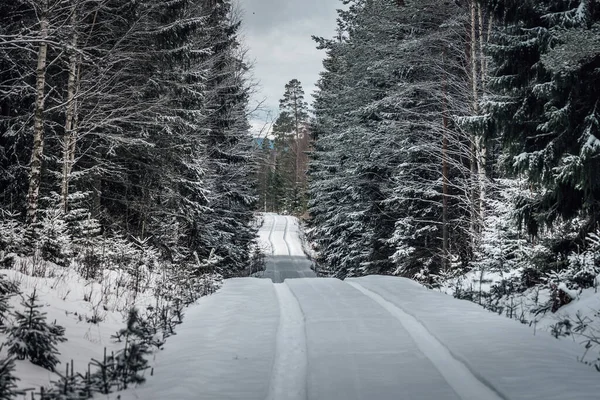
(379, 338)
(280, 237)
(374, 338)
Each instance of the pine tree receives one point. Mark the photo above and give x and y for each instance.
(291, 131)
(283, 174)
(32, 338)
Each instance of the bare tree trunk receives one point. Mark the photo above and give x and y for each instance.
(474, 137)
(482, 150)
(297, 145)
(70, 134)
(487, 39)
(445, 176)
(481, 43)
(35, 174)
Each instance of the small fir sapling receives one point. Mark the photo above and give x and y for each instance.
(11, 236)
(105, 376)
(32, 337)
(53, 239)
(131, 361)
(70, 386)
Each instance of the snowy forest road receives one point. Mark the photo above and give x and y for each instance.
(280, 236)
(376, 338)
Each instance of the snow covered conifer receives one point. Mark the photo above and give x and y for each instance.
(291, 143)
(545, 105)
(104, 377)
(227, 228)
(131, 361)
(11, 233)
(8, 385)
(32, 338)
(52, 236)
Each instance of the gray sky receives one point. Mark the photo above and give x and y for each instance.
(278, 36)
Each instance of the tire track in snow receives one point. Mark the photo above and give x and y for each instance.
(288, 378)
(285, 234)
(271, 234)
(466, 384)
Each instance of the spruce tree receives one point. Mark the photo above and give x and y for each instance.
(376, 172)
(32, 338)
(544, 106)
(226, 232)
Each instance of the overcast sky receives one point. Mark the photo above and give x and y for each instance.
(278, 36)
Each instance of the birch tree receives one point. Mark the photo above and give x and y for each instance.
(35, 165)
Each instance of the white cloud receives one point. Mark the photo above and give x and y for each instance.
(278, 36)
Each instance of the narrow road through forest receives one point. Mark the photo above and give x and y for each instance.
(376, 338)
(285, 259)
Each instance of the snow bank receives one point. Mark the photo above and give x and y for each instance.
(72, 301)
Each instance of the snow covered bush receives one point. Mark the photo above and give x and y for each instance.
(12, 234)
(502, 244)
(32, 338)
(187, 282)
(53, 241)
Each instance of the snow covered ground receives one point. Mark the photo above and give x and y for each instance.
(73, 302)
(368, 338)
(583, 312)
(92, 311)
(374, 338)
